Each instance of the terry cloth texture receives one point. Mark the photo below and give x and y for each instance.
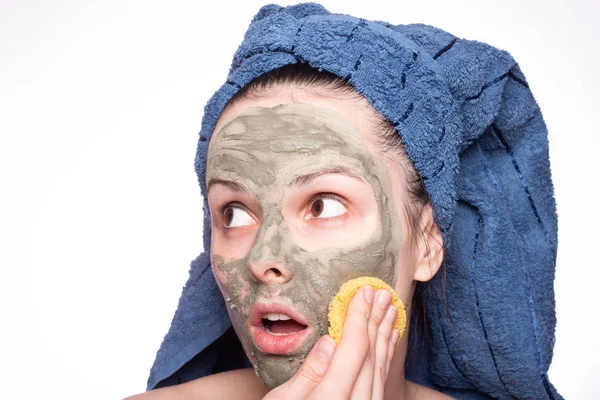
(472, 128)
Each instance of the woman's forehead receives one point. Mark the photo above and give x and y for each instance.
(305, 101)
(303, 123)
(295, 116)
(279, 141)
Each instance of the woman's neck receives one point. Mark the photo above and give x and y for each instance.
(396, 387)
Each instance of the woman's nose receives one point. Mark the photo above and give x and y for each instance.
(269, 272)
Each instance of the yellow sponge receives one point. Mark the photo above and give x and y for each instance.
(338, 308)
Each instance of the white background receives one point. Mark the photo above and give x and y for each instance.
(100, 216)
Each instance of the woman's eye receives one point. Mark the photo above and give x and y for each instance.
(326, 208)
(236, 217)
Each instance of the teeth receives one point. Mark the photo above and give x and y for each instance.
(277, 317)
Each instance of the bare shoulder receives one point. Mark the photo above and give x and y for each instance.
(417, 392)
(241, 383)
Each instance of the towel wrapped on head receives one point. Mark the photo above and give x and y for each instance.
(474, 132)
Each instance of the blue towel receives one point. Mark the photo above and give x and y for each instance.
(472, 128)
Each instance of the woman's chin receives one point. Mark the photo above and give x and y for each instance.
(275, 370)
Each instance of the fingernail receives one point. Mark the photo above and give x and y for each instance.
(391, 314)
(385, 298)
(325, 348)
(369, 294)
(395, 336)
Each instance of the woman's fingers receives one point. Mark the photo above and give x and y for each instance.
(358, 368)
(309, 375)
(384, 337)
(352, 350)
(363, 387)
(392, 348)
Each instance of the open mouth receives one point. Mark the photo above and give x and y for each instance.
(276, 329)
(280, 324)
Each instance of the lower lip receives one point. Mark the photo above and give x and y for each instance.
(277, 344)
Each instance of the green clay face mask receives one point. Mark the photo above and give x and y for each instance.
(263, 150)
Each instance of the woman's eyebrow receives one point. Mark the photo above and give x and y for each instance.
(305, 179)
(234, 186)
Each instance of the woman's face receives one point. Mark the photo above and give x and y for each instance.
(300, 203)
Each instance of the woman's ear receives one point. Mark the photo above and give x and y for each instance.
(430, 247)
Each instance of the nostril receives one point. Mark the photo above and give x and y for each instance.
(276, 272)
(269, 272)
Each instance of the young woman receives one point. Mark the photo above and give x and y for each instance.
(341, 148)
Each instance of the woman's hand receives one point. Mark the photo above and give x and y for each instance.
(358, 367)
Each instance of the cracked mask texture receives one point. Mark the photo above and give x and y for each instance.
(263, 149)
